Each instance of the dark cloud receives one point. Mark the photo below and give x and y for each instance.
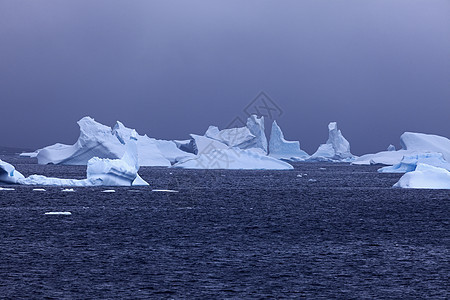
(169, 68)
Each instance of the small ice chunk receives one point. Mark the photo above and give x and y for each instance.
(39, 190)
(6, 189)
(108, 191)
(167, 191)
(65, 213)
(67, 190)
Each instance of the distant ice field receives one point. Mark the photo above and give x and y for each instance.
(335, 231)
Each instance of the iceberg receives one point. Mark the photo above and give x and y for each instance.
(337, 148)
(171, 152)
(391, 148)
(412, 144)
(409, 163)
(203, 145)
(282, 149)
(98, 140)
(250, 136)
(256, 127)
(425, 177)
(232, 137)
(234, 158)
(8, 173)
(100, 171)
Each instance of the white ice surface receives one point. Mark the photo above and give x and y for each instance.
(98, 140)
(425, 177)
(234, 158)
(8, 173)
(100, 171)
(282, 149)
(409, 163)
(337, 148)
(412, 144)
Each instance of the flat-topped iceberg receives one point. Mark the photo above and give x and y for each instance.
(8, 173)
(234, 158)
(337, 148)
(98, 140)
(412, 144)
(283, 149)
(100, 171)
(425, 177)
(409, 163)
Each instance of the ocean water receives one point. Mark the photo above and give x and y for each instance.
(320, 231)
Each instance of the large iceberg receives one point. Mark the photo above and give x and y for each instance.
(409, 163)
(425, 177)
(8, 173)
(203, 145)
(250, 136)
(412, 144)
(234, 158)
(232, 137)
(98, 140)
(100, 171)
(282, 149)
(337, 148)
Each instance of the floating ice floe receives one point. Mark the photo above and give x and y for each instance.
(109, 191)
(425, 177)
(100, 171)
(6, 189)
(67, 190)
(412, 144)
(39, 190)
(282, 149)
(409, 163)
(165, 191)
(64, 213)
(234, 158)
(336, 149)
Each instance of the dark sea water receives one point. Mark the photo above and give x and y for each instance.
(338, 231)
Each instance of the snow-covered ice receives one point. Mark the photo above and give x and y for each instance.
(98, 140)
(412, 144)
(6, 189)
(165, 191)
(232, 137)
(409, 163)
(234, 158)
(63, 213)
(203, 145)
(100, 171)
(425, 177)
(8, 173)
(283, 149)
(337, 148)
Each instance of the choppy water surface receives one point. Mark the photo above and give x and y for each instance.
(319, 231)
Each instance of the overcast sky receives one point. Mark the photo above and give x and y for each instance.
(170, 68)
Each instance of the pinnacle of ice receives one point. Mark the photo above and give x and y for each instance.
(337, 148)
(283, 149)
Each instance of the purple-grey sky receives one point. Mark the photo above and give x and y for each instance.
(170, 68)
